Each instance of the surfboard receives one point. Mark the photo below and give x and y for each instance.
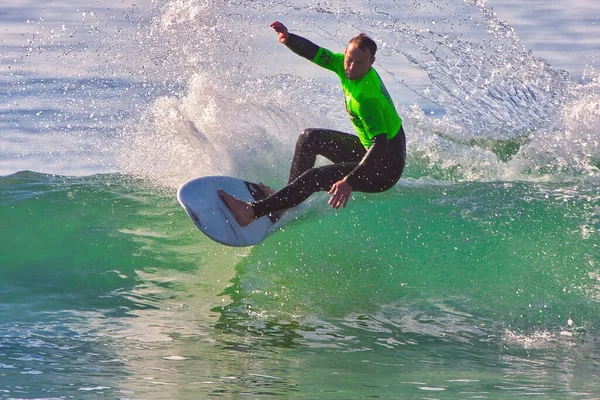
(200, 199)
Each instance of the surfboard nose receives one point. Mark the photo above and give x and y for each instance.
(202, 203)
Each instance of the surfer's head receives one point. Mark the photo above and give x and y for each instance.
(359, 56)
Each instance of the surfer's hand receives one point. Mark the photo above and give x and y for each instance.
(340, 193)
(282, 32)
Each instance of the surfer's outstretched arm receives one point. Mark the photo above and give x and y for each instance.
(299, 45)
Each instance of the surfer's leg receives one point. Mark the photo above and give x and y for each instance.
(383, 176)
(336, 146)
(373, 179)
(311, 181)
(268, 191)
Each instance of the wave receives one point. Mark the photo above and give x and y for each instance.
(499, 112)
(496, 218)
(519, 254)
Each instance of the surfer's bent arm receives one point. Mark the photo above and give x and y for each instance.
(301, 46)
(373, 125)
(375, 155)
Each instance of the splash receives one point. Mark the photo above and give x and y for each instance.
(502, 112)
(218, 128)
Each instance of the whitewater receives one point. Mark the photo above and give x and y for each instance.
(476, 276)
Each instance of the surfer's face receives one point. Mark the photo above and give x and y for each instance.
(357, 62)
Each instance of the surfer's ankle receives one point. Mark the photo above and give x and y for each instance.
(267, 190)
(242, 211)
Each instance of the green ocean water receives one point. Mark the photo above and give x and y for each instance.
(476, 276)
(431, 290)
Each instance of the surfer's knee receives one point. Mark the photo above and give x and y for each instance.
(308, 136)
(307, 133)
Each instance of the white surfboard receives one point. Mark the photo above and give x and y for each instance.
(200, 199)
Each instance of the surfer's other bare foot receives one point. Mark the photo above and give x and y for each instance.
(266, 190)
(242, 211)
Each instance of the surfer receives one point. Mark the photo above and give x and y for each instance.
(371, 162)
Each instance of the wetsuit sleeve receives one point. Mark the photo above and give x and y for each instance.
(318, 55)
(301, 46)
(376, 153)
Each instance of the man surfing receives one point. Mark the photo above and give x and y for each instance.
(371, 162)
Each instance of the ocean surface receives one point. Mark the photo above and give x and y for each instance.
(476, 277)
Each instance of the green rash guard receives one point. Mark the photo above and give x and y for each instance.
(368, 103)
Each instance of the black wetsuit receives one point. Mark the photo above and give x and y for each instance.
(381, 167)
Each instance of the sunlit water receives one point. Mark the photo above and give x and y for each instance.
(475, 277)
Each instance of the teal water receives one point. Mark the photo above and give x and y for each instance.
(475, 277)
(456, 290)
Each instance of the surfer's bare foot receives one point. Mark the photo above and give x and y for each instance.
(266, 190)
(242, 211)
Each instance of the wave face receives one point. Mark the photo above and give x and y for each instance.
(474, 278)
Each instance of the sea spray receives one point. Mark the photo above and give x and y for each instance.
(224, 127)
(503, 113)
